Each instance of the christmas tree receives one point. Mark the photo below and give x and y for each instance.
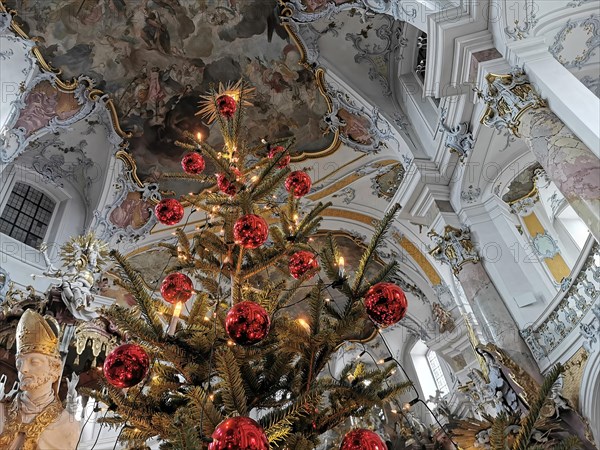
(219, 359)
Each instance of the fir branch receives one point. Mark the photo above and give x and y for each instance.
(260, 267)
(369, 253)
(269, 185)
(211, 416)
(188, 176)
(388, 272)
(146, 303)
(266, 173)
(497, 436)
(528, 424)
(569, 443)
(232, 386)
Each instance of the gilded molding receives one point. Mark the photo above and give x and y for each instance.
(419, 258)
(67, 86)
(508, 97)
(454, 247)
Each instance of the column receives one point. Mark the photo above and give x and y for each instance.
(512, 103)
(455, 248)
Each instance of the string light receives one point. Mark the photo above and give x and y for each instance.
(304, 324)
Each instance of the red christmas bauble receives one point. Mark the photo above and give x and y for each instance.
(250, 231)
(193, 163)
(362, 439)
(303, 262)
(298, 183)
(226, 106)
(225, 186)
(385, 303)
(284, 161)
(169, 211)
(126, 365)
(247, 323)
(239, 433)
(177, 287)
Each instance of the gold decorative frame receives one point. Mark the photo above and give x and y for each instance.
(319, 74)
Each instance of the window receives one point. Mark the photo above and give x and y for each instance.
(429, 371)
(421, 61)
(26, 215)
(436, 371)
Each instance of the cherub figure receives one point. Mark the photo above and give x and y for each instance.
(83, 257)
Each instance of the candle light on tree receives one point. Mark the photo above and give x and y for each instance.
(175, 318)
(342, 271)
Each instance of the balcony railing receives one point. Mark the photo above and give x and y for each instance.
(576, 298)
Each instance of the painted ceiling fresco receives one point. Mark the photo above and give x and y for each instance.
(155, 57)
(521, 185)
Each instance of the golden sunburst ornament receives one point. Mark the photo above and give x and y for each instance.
(225, 100)
(85, 252)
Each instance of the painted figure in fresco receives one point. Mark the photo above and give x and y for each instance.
(355, 127)
(133, 212)
(155, 93)
(155, 33)
(36, 419)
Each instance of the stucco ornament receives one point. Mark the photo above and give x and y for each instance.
(83, 257)
(454, 247)
(458, 139)
(508, 97)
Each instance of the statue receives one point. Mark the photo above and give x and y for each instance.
(443, 318)
(36, 419)
(83, 256)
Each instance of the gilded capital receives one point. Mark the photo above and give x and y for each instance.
(508, 97)
(454, 247)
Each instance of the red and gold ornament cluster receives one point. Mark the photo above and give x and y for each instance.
(126, 365)
(226, 106)
(386, 303)
(247, 323)
(193, 163)
(239, 433)
(225, 185)
(284, 161)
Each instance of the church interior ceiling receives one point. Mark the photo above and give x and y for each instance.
(156, 59)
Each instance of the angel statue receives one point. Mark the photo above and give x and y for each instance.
(83, 257)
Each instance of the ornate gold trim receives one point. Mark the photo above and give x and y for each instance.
(516, 121)
(97, 94)
(419, 258)
(129, 162)
(319, 75)
(94, 94)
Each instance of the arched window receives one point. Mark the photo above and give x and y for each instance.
(26, 215)
(429, 370)
(436, 372)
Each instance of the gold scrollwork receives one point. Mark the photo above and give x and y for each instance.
(319, 75)
(67, 86)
